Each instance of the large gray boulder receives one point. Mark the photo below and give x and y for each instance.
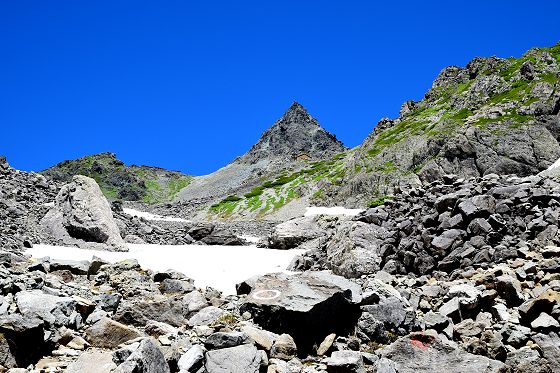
(107, 333)
(428, 353)
(240, 359)
(308, 306)
(294, 232)
(82, 216)
(355, 249)
(53, 310)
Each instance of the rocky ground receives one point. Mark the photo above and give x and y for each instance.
(459, 275)
(443, 273)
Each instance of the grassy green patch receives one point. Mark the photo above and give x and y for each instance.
(379, 201)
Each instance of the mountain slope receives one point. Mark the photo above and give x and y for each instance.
(119, 181)
(292, 143)
(493, 116)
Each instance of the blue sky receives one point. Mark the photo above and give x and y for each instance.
(191, 85)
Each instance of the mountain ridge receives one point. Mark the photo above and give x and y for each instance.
(120, 181)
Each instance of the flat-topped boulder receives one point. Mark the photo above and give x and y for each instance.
(308, 306)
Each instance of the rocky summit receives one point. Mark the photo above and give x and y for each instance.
(450, 263)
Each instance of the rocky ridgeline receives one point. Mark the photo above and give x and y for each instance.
(495, 115)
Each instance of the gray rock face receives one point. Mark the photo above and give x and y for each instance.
(384, 313)
(425, 353)
(550, 345)
(82, 216)
(240, 359)
(290, 234)
(470, 123)
(307, 306)
(356, 249)
(294, 134)
(49, 308)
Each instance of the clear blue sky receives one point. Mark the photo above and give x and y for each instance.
(190, 85)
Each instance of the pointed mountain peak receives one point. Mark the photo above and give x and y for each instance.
(296, 114)
(295, 134)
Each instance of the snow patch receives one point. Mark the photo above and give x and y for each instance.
(149, 216)
(221, 267)
(554, 165)
(252, 239)
(315, 210)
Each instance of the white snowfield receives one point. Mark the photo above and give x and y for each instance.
(314, 210)
(554, 165)
(221, 267)
(150, 216)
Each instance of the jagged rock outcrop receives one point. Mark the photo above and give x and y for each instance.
(82, 216)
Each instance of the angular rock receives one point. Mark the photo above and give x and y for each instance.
(92, 362)
(191, 360)
(550, 346)
(509, 289)
(206, 316)
(545, 323)
(326, 345)
(51, 309)
(262, 338)
(107, 333)
(146, 357)
(74, 266)
(17, 331)
(283, 348)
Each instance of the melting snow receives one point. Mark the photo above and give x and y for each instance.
(220, 267)
(314, 210)
(150, 216)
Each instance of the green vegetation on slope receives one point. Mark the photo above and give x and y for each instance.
(496, 99)
(273, 194)
(119, 181)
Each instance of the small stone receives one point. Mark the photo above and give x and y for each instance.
(284, 347)
(326, 344)
(545, 322)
